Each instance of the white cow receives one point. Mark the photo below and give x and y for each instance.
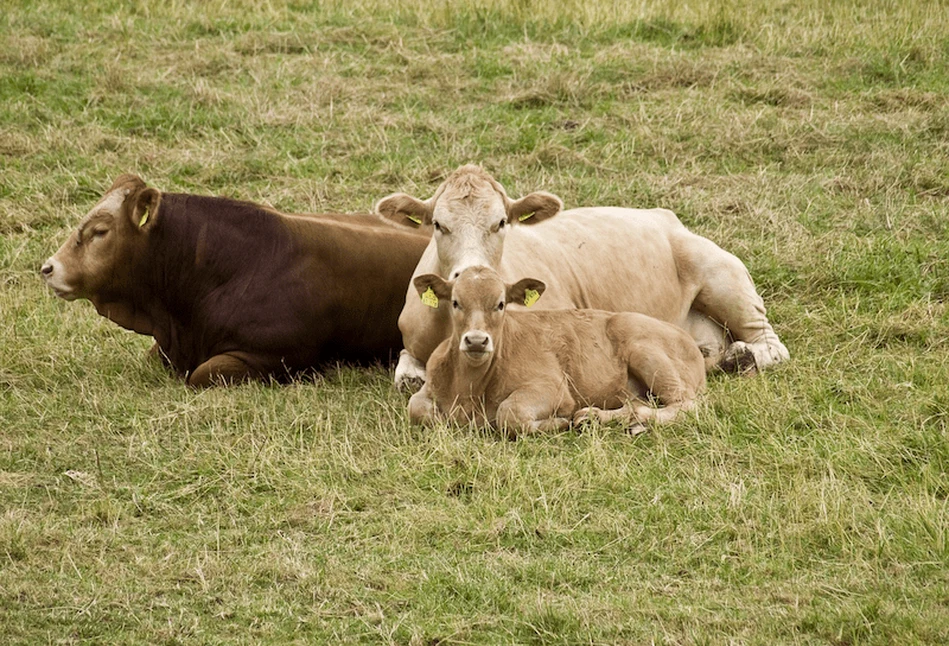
(608, 258)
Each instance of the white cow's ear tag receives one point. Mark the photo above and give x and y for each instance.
(144, 219)
(530, 297)
(524, 217)
(429, 298)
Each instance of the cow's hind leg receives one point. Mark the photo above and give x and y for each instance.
(227, 368)
(727, 294)
(669, 366)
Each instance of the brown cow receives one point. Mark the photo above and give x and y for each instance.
(542, 370)
(233, 290)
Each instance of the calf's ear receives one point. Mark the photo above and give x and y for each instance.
(144, 211)
(526, 291)
(405, 210)
(534, 208)
(432, 289)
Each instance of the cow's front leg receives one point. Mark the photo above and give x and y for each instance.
(409, 372)
(226, 368)
(422, 408)
(529, 411)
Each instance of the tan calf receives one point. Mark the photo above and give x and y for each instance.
(542, 370)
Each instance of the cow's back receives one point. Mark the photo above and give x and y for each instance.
(604, 258)
(572, 347)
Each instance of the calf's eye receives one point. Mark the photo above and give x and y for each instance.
(455, 305)
(500, 306)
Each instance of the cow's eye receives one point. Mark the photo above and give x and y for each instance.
(437, 226)
(98, 233)
(501, 224)
(455, 305)
(501, 306)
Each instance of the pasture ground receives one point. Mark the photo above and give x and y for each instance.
(807, 505)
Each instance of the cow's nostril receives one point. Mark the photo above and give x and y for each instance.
(46, 269)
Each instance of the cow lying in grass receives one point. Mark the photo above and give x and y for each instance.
(607, 258)
(542, 370)
(234, 291)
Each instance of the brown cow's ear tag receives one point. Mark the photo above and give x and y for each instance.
(429, 298)
(530, 297)
(417, 220)
(144, 219)
(521, 218)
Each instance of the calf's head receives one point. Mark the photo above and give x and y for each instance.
(98, 256)
(479, 299)
(471, 214)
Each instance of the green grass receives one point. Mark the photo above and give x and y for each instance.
(807, 505)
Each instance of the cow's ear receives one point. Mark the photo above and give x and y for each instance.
(405, 210)
(144, 210)
(534, 208)
(526, 291)
(129, 181)
(432, 289)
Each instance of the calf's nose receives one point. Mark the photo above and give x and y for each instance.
(47, 268)
(476, 341)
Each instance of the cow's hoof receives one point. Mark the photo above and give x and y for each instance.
(588, 414)
(739, 358)
(409, 384)
(636, 428)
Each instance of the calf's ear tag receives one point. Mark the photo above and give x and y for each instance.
(429, 298)
(524, 217)
(530, 297)
(416, 219)
(144, 219)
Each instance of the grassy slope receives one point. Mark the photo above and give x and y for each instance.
(807, 505)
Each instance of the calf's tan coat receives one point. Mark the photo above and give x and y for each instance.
(541, 370)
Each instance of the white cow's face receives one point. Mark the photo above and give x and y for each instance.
(95, 257)
(470, 227)
(479, 300)
(471, 214)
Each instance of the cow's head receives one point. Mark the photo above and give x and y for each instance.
(470, 213)
(98, 256)
(478, 301)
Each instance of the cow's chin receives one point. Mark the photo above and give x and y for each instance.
(65, 294)
(477, 359)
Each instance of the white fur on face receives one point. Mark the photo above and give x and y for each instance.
(55, 271)
(112, 202)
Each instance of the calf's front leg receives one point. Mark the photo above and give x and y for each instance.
(529, 410)
(422, 409)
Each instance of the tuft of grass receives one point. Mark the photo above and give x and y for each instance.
(806, 505)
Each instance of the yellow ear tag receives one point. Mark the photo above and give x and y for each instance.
(530, 297)
(414, 218)
(524, 217)
(429, 298)
(144, 219)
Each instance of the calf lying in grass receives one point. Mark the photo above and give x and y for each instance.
(527, 371)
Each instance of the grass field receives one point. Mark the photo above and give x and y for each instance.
(807, 505)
